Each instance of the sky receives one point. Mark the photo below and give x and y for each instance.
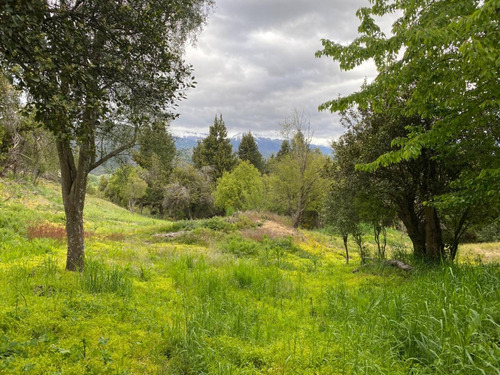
(254, 63)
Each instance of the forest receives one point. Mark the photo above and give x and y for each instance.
(121, 254)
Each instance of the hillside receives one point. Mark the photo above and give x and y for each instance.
(240, 295)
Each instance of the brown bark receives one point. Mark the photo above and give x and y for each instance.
(414, 227)
(457, 235)
(433, 234)
(73, 183)
(344, 238)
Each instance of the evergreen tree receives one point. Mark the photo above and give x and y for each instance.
(249, 151)
(155, 140)
(215, 150)
(284, 150)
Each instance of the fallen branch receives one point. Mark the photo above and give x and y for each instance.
(399, 264)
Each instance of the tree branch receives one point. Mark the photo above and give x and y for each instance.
(114, 153)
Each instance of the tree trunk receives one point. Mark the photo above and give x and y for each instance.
(433, 235)
(384, 242)
(297, 218)
(74, 186)
(74, 179)
(457, 235)
(344, 238)
(414, 227)
(74, 229)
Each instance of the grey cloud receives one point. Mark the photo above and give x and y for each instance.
(255, 64)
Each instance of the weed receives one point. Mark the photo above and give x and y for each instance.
(46, 230)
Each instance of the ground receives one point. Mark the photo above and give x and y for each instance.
(241, 295)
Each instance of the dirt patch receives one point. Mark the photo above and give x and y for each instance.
(269, 229)
(170, 235)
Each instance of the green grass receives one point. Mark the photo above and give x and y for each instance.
(211, 301)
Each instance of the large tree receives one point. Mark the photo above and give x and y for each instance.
(437, 76)
(94, 69)
(403, 188)
(215, 150)
(295, 183)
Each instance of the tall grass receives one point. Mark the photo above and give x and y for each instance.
(97, 277)
(218, 302)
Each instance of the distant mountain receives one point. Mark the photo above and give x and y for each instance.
(267, 146)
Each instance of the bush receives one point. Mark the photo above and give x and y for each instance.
(239, 246)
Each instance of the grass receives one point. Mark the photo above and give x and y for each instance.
(230, 296)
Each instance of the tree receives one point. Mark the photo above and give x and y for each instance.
(339, 212)
(9, 123)
(156, 156)
(189, 193)
(438, 77)
(402, 188)
(215, 150)
(241, 189)
(295, 184)
(95, 70)
(134, 190)
(284, 149)
(248, 150)
(25, 147)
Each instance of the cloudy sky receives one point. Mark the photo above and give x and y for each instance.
(254, 63)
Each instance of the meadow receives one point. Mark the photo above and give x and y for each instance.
(245, 294)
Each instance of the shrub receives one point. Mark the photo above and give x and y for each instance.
(239, 246)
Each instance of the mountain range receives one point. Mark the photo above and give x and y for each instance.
(267, 146)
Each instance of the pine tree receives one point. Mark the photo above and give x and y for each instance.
(284, 150)
(248, 150)
(215, 150)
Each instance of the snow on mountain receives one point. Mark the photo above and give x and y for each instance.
(267, 145)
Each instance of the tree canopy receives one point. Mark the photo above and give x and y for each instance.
(442, 59)
(95, 71)
(437, 84)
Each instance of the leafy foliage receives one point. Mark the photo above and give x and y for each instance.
(443, 60)
(189, 193)
(96, 72)
(125, 186)
(295, 184)
(240, 190)
(156, 157)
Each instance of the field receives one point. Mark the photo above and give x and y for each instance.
(240, 295)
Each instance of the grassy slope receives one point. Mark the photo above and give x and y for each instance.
(212, 300)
